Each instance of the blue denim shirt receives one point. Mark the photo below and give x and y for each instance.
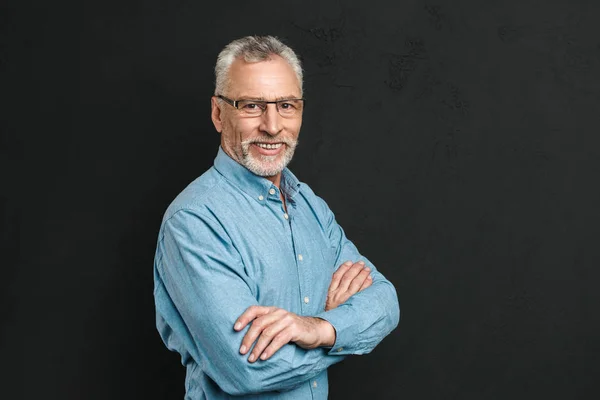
(226, 243)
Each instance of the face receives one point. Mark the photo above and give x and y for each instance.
(263, 144)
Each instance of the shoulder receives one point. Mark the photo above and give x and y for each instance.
(198, 197)
(317, 203)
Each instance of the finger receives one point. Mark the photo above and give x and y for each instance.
(358, 281)
(277, 343)
(350, 275)
(267, 335)
(337, 275)
(256, 329)
(249, 315)
(368, 282)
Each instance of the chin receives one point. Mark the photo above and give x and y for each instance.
(267, 166)
(265, 169)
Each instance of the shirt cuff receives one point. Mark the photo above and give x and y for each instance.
(346, 333)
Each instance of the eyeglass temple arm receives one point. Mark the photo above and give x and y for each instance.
(233, 103)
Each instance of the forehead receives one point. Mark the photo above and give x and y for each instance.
(272, 78)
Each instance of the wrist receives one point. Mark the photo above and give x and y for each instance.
(326, 333)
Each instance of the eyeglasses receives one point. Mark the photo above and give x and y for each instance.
(287, 108)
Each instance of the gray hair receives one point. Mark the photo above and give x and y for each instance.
(253, 49)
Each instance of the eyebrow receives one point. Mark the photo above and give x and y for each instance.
(279, 98)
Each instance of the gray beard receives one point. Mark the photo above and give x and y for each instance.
(267, 165)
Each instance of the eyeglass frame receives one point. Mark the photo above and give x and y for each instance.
(234, 103)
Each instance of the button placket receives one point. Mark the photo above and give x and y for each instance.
(303, 273)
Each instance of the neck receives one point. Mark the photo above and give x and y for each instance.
(276, 179)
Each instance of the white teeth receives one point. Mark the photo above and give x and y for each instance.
(268, 146)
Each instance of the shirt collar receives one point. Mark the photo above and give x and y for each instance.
(255, 186)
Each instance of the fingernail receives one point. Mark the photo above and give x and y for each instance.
(369, 277)
(251, 358)
(348, 263)
(367, 269)
(361, 262)
(237, 326)
(243, 349)
(263, 356)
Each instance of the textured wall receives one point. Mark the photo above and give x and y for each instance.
(456, 141)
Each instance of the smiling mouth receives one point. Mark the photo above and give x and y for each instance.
(268, 146)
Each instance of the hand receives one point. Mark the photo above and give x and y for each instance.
(274, 327)
(348, 280)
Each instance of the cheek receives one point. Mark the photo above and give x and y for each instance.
(294, 127)
(246, 128)
(237, 129)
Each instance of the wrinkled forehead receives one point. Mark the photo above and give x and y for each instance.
(270, 79)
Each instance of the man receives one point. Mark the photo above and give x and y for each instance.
(256, 285)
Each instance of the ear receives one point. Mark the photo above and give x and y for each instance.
(215, 114)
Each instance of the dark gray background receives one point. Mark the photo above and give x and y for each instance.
(456, 141)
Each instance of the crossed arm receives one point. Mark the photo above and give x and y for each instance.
(207, 292)
(274, 327)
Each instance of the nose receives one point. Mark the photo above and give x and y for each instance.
(271, 121)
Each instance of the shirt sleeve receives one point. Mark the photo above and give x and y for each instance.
(368, 316)
(204, 278)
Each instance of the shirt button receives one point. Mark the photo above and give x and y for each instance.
(272, 191)
(285, 216)
(340, 349)
(260, 197)
(306, 299)
(314, 384)
(300, 257)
